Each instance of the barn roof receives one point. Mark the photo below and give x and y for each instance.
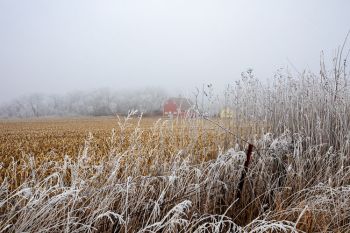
(182, 103)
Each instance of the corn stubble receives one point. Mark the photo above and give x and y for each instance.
(182, 175)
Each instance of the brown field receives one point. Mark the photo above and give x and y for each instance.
(51, 139)
(62, 136)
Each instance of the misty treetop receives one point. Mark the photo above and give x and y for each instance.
(101, 102)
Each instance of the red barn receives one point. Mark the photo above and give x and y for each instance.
(177, 107)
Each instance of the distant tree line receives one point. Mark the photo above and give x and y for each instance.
(101, 102)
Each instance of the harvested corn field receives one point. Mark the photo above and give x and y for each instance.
(52, 139)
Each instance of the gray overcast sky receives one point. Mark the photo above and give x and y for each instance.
(64, 45)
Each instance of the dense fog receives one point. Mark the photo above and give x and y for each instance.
(55, 47)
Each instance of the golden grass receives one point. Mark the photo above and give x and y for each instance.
(52, 139)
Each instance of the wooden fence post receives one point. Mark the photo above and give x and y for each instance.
(245, 171)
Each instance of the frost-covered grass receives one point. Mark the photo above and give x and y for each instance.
(288, 188)
(298, 180)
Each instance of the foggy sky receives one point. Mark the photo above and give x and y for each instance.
(65, 45)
